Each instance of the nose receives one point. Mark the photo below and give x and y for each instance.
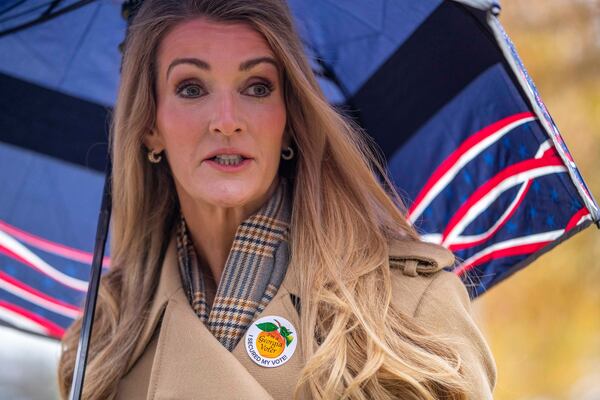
(227, 119)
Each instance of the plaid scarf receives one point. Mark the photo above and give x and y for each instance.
(253, 272)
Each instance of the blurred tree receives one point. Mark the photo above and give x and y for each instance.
(544, 323)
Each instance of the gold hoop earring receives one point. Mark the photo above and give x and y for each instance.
(287, 155)
(154, 157)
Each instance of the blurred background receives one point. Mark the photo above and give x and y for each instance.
(543, 323)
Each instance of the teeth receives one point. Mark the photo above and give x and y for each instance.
(228, 159)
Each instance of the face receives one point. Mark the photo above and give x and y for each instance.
(220, 113)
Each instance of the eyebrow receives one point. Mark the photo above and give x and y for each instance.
(244, 66)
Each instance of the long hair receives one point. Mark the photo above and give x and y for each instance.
(345, 213)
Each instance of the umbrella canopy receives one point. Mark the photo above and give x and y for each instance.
(437, 84)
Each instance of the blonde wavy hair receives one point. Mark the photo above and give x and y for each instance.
(342, 222)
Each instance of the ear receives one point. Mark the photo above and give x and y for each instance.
(153, 141)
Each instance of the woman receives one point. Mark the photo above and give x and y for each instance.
(255, 252)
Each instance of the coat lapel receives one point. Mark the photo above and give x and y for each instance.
(168, 284)
(190, 363)
(279, 381)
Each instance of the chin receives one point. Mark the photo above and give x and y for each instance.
(230, 194)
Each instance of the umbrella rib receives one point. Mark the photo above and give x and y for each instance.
(12, 6)
(51, 7)
(44, 18)
(22, 12)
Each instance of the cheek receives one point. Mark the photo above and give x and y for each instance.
(271, 125)
(179, 130)
(180, 125)
(177, 122)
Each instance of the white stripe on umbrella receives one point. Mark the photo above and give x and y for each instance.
(472, 240)
(21, 321)
(46, 302)
(522, 245)
(482, 204)
(32, 259)
(48, 246)
(469, 153)
(537, 239)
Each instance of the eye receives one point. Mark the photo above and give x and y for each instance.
(261, 89)
(189, 90)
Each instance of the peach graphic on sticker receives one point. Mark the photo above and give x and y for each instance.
(270, 341)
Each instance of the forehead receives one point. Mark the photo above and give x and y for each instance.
(212, 41)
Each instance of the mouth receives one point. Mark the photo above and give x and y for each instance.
(228, 159)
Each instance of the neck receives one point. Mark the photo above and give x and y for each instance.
(212, 228)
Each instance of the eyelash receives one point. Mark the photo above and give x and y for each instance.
(186, 84)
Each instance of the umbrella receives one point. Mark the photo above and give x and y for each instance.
(437, 84)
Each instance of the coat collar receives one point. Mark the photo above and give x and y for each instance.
(169, 285)
(431, 257)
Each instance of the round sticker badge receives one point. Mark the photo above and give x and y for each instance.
(271, 341)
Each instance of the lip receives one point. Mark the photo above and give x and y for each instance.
(227, 150)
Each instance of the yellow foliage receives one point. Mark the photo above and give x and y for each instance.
(543, 323)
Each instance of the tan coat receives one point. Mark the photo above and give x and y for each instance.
(178, 358)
